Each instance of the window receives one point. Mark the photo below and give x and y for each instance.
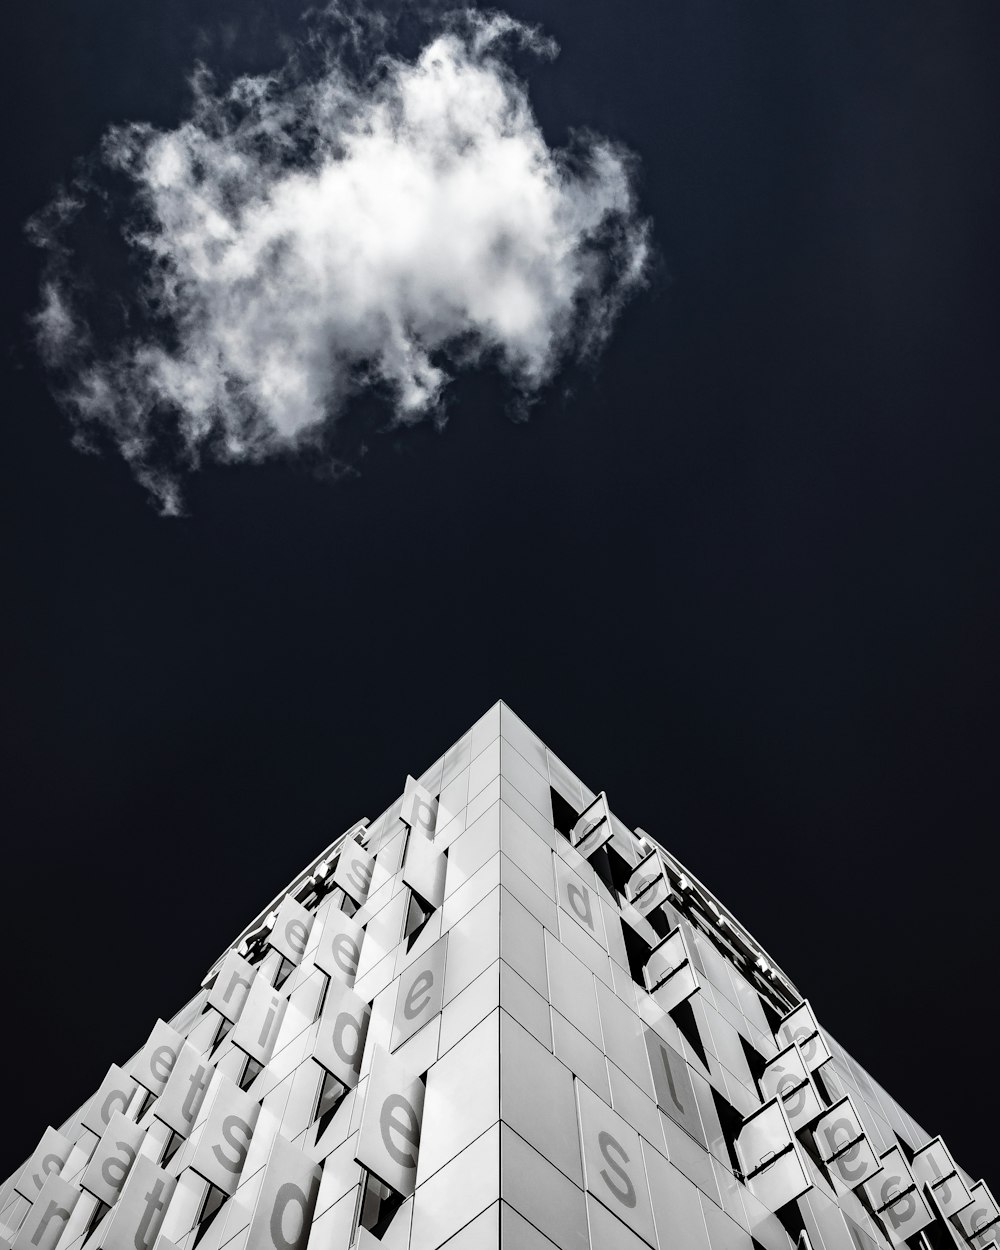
(378, 1206)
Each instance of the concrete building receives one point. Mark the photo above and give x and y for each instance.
(494, 1016)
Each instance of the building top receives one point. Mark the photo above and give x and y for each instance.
(496, 928)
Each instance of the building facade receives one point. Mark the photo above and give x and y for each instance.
(494, 1016)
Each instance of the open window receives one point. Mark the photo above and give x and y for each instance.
(979, 1223)
(788, 1078)
(424, 868)
(934, 1167)
(668, 974)
(212, 1204)
(769, 1159)
(843, 1146)
(593, 828)
(894, 1199)
(331, 1094)
(800, 1025)
(378, 1206)
(420, 809)
(647, 889)
(564, 814)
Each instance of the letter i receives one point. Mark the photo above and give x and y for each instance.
(268, 1020)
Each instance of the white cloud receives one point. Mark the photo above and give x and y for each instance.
(301, 237)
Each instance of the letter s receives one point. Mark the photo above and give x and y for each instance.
(232, 1125)
(626, 1195)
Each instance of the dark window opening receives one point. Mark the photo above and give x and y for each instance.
(147, 1101)
(417, 916)
(564, 815)
(214, 1200)
(937, 1234)
(173, 1145)
(755, 1060)
(861, 1238)
(771, 1015)
(828, 1092)
(285, 970)
(731, 1121)
(331, 1095)
(600, 861)
(612, 869)
(683, 1016)
(904, 1146)
(250, 1073)
(793, 1223)
(100, 1211)
(378, 1206)
(344, 901)
(225, 1028)
(637, 949)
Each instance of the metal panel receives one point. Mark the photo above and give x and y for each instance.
(115, 1094)
(933, 1165)
(677, 1211)
(800, 1025)
(284, 1209)
(593, 829)
(571, 988)
(154, 1063)
(787, 1077)
(613, 1166)
(353, 873)
(475, 847)
(46, 1160)
(257, 1029)
(450, 1199)
(623, 1038)
(769, 1158)
(463, 1097)
(893, 1196)
(189, 1079)
(609, 1233)
(647, 889)
(390, 1123)
(541, 1193)
(424, 868)
(674, 1088)
(526, 848)
(474, 944)
(137, 1217)
(420, 809)
(525, 1005)
(290, 933)
(668, 973)
(339, 948)
(764, 1135)
(112, 1161)
(343, 1027)
(581, 902)
(48, 1216)
(421, 993)
(581, 1056)
(224, 1140)
(471, 1006)
(980, 1221)
(843, 1144)
(536, 1098)
(634, 1105)
(522, 944)
(231, 986)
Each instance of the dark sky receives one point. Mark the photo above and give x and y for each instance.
(743, 576)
